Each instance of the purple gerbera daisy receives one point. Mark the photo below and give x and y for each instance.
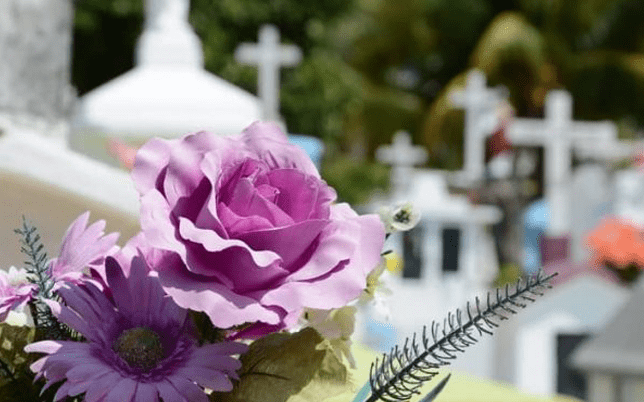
(139, 346)
(82, 247)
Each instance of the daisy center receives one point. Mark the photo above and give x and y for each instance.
(139, 347)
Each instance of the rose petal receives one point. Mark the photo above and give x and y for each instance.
(224, 307)
(245, 200)
(236, 224)
(156, 225)
(267, 141)
(151, 159)
(301, 196)
(213, 243)
(290, 242)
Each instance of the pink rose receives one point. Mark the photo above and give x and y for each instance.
(251, 228)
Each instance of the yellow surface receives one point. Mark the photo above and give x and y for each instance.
(460, 388)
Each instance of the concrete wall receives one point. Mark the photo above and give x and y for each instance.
(35, 58)
(52, 210)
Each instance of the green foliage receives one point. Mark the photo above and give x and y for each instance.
(39, 273)
(16, 380)
(355, 181)
(272, 367)
(105, 32)
(346, 92)
(508, 274)
(320, 93)
(36, 263)
(14, 362)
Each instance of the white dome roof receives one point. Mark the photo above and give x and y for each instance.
(169, 93)
(167, 100)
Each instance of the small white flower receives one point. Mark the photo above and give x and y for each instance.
(377, 291)
(402, 217)
(336, 327)
(17, 319)
(17, 276)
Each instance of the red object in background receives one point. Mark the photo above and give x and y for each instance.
(125, 153)
(617, 242)
(638, 159)
(554, 249)
(498, 142)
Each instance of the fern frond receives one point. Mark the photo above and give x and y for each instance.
(39, 273)
(400, 374)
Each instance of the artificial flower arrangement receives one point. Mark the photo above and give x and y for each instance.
(618, 245)
(242, 285)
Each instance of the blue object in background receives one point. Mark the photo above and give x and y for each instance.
(380, 336)
(313, 147)
(535, 223)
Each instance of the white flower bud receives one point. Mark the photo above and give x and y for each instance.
(402, 217)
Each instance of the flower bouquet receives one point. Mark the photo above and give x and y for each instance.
(242, 285)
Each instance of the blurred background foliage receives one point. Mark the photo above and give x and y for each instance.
(372, 67)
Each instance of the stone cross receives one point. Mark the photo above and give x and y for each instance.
(269, 55)
(166, 13)
(167, 36)
(559, 134)
(402, 156)
(480, 104)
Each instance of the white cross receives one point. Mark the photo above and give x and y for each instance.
(166, 13)
(480, 104)
(402, 156)
(559, 134)
(269, 55)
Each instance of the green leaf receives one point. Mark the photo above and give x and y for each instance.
(331, 379)
(284, 365)
(20, 389)
(13, 340)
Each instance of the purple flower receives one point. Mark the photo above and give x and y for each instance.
(255, 228)
(15, 290)
(140, 345)
(82, 247)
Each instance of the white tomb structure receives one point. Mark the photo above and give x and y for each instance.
(167, 94)
(593, 197)
(269, 55)
(40, 178)
(448, 258)
(629, 196)
(51, 185)
(402, 156)
(481, 106)
(534, 356)
(558, 134)
(613, 360)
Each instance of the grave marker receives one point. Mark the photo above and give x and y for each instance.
(559, 134)
(402, 156)
(480, 104)
(269, 55)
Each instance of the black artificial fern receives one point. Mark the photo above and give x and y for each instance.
(401, 373)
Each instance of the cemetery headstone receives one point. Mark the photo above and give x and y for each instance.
(629, 196)
(613, 359)
(590, 196)
(527, 357)
(167, 94)
(402, 156)
(481, 104)
(269, 55)
(559, 134)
